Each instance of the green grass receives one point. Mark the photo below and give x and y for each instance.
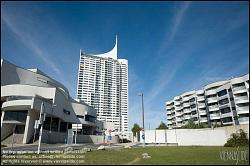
(164, 155)
(195, 155)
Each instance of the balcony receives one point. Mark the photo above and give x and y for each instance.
(243, 120)
(201, 105)
(202, 112)
(241, 99)
(169, 117)
(169, 106)
(169, 122)
(200, 92)
(211, 99)
(179, 119)
(222, 97)
(169, 112)
(240, 89)
(177, 103)
(214, 116)
(242, 110)
(213, 108)
(179, 114)
(186, 105)
(178, 108)
(186, 110)
(200, 98)
(224, 105)
(177, 98)
(193, 109)
(202, 120)
(229, 114)
(185, 99)
(192, 102)
(210, 92)
(227, 123)
(187, 117)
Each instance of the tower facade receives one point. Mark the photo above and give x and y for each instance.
(103, 84)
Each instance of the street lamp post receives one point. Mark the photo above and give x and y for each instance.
(41, 128)
(143, 131)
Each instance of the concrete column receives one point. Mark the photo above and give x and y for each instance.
(59, 123)
(29, 126)
(2, 117)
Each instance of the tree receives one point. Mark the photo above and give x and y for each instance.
(190, 125)
(237, 139)
(136, 128)
(162, 126)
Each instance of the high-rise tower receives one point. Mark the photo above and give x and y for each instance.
(103, 84)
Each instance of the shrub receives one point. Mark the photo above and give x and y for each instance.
(237, 139)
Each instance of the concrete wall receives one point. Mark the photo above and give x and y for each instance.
(6, 130)
(59, 137)
(53, 137)
(189, 137)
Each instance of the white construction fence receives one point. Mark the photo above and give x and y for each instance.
(193, 137)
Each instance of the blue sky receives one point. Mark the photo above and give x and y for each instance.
(171, 47)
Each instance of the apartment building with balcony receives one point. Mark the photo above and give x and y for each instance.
(103, 84)
(223, 102)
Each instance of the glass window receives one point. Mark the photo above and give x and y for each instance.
(224, 101)
(222, 93)
(63, 127)
(15, 115)
(225, 110)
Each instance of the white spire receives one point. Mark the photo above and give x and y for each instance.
(112, 53)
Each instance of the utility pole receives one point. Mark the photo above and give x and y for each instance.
(143, 131)
(41, 128)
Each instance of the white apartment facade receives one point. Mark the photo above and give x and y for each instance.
(223, 102)
(103, 84)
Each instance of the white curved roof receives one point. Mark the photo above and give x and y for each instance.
(111, 54)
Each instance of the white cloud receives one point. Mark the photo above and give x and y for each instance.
(28, 41)
(178, 19)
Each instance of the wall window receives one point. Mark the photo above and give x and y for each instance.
(222, 93)
(224, 101)
(16, 115)
(225, 110)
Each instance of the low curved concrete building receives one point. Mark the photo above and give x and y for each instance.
(223, 102)
(28, 95)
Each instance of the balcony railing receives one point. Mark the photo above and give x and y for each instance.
(179, 114)
(187, 117)
(178, 119)
(192, 102)
(169, 117)
(203, 119)
(212, 99)
(202, 112)
(200, 98)
(201, 105)
(229, 114)
(243, 110)
(186, 110)
(214, 107)
(240, 98)
(186, 104)
(239, 88)
(178, 108)
(214, 116)
(243, 119)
